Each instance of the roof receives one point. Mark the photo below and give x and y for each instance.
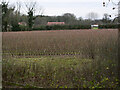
(55, 23)
(22, 23)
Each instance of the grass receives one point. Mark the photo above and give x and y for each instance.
(59, 72)
(95, 28)
(60, 59)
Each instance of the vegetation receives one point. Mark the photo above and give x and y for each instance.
(84, 42)
(60, 59)
(67, 58)
(6, 12)
(12, 17)
(108, 26)
(59, 72)
(62, 27)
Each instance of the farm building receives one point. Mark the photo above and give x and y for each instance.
(55, 23)
(95, 26)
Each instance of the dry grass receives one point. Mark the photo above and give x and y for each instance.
(92, 55)
(82, 42)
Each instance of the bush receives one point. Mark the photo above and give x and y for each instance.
(62, 27)
(16, 27)
(23, 28)
(19, 28)
(108, 26)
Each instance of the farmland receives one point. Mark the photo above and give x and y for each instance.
(60, 59)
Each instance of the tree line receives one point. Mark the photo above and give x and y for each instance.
(12, 16)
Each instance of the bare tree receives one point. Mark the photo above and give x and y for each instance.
(30, 13)
(106, 18)
(92, 15)
(31, 9)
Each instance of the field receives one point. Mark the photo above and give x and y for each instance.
(60, 59)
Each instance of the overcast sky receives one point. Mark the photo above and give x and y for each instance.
(79, 8)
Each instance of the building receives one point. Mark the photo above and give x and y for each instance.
(22, 23)
(56, 23)
(95, 26)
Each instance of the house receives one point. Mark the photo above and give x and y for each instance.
(56, 23)
(22, 23)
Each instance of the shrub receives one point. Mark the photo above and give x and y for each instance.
(16, 27)
(108, 26)
(63, 27)
(23, 28)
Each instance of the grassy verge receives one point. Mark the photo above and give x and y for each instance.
(59, 72)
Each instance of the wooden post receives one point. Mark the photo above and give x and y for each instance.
(119, 42)
(0, 46)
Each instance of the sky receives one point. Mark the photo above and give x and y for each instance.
(80, 8)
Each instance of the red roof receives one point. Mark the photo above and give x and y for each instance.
(22, 23)
(55, 23)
